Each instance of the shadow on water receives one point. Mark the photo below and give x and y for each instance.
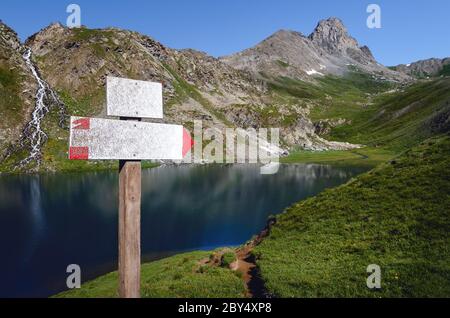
(50, 221)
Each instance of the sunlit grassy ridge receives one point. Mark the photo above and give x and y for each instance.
(177, 276)
(396, 216)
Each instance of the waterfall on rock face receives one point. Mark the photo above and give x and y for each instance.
(33, 133)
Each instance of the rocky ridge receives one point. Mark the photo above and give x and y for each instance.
(426, 68)
(329, 49)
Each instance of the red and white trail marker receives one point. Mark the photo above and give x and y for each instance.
(109, 139)
(129, 141)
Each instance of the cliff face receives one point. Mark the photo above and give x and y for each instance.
(17, 88)
(329, 49)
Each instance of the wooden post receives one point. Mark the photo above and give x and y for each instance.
(129, 228)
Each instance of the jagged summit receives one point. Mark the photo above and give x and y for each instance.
(332, 36)
(329, 49)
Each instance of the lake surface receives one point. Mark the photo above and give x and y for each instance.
(50, 221)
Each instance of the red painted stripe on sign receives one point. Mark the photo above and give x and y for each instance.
(82, 123)
(79, 153)
(188, 142)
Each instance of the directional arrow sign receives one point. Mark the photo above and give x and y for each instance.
(103, 139)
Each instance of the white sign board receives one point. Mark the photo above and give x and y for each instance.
(95, 138)
(131, 98)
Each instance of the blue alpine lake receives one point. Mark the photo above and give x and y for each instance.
(49, 221)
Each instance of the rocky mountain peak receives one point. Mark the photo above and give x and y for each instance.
(53, 30)
(55, 26)
(332, 36)
(329, 49)
(8, 36)
(282, 33)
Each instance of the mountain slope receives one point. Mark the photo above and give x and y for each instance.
(395, 216)
(329, 49)
(17, 88)
(401, 118)
(426, 68)
(76, 62)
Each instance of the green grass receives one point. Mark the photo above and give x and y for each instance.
(396, 216)
(377, 117)
(89, 105)
(390, 121)
(227, 259)
(363, 156)
(282, 63)
(398, 121)
(84, 34)
(177, 276)
(10, 104)
(331, 92)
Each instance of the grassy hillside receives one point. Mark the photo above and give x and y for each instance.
(385, 118)
(402, 119)
(367, 156)
(9, 94)
(182, 275)
(396, 216)
(13, 110)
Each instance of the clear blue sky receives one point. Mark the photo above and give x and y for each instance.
(411, 29)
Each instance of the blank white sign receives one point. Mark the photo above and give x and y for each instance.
(132, 98)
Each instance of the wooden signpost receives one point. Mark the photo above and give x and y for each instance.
(129, 140)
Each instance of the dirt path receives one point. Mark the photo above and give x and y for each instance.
(245, 263)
